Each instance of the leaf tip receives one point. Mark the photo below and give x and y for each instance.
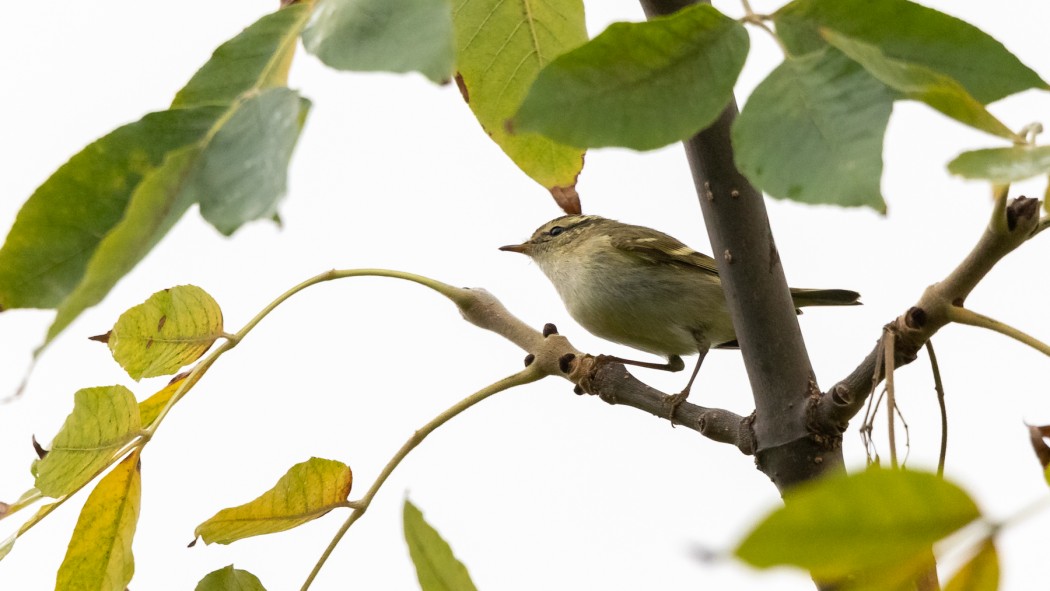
(568, 199)
(193, 542)
(39, 449)
(101, 338)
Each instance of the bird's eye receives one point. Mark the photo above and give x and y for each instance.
(556, 230)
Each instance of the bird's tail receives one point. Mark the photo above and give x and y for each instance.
(824, 297)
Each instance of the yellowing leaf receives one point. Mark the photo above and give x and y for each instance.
(849, 523)
(230, 579)
(170, 329)
(501, 45)
(436, 567)
(307, 491)
(920, 83)
(150, 408)
(980, 573)
(99, 555)
(102, 421)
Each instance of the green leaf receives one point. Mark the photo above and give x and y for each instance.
(155, 205)
(920, 83)
(980, 573)
(257, 58)
(849, 523)
(307, 491)
(99, 214)
(242, 172)
(639, 85)
(812, 132)
(1002, 165)
(437, 568)
(230, 579)
(99, 555)
(385, 36)
(103, 420)
(60, 227)
(501, 45)
(913, 33)
(172, 328)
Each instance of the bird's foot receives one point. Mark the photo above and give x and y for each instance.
(673, 401)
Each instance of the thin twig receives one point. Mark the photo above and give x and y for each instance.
(526, 376)
(939, 386)
(966, 316)
(907, 436)
(891, 400)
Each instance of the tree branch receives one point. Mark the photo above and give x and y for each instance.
(760, 304)
(1010, 226)
(611, 382)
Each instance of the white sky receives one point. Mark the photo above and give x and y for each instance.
(535, 488)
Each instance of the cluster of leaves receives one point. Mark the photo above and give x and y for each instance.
(885, 531)
(812, 131)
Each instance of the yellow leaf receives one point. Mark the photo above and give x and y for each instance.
(307, 491)
(99, 555)
(172, 328)
(981, 573)
(150, 408)
(103, 420)
(501, 47)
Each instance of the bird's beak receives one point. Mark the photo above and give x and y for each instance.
(523, 248)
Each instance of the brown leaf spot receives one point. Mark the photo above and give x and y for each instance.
(102, 338)
(462, 86)
(160, 323)
(149, 343)
(567, 199)
(1038, 436)
(178, 377)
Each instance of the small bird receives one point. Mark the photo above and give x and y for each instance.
(642, 288)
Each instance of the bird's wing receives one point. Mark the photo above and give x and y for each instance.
(661, 249)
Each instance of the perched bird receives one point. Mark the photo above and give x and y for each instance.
(642, 288)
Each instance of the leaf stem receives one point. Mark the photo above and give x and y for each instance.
(939, 387)
(453, 293)
(526, 376)
(966, 316)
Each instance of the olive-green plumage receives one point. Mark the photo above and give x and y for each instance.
(642, 288)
